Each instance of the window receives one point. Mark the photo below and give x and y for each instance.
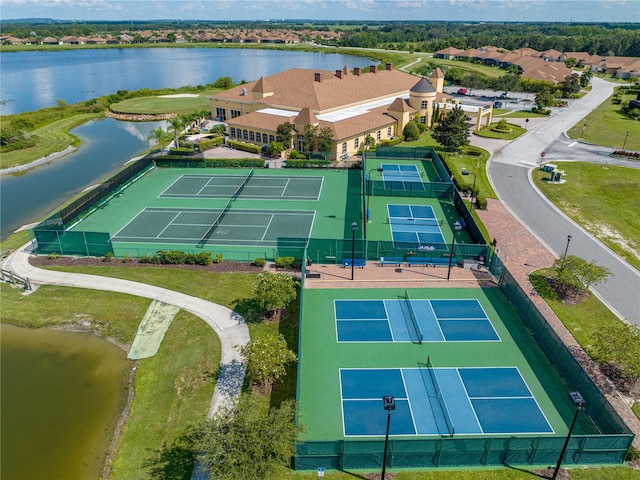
(344, 147)
(221, 114)
(389, 132)
(235, 113)
(252, 136)
(423, 105)
(378, 135)
(356, 142)
(300, 143)
(272, 138)
(245, 135)
(233, 132)
(423, 119)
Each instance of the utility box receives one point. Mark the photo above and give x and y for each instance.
(549, 167)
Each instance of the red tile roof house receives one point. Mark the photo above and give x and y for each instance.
(352, 104)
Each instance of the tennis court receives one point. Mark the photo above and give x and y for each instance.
(215, 226)
(415, 224)
(440, 401)
(245, 187)
(405, 320)
(401, 177)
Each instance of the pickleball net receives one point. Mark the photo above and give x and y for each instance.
(414, 320)
(441, 402)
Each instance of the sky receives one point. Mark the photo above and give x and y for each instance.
(369, 10)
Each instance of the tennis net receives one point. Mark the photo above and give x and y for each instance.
(215, 224)
(242, 185)
(443, 406)
(414, 320)
(415, 221)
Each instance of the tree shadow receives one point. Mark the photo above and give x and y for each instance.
(248, 309)
(173, 461)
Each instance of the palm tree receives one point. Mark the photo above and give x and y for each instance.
(177, 123)
(159, 136)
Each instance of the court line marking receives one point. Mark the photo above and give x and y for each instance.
(444, 339)
(168, 225)
(466, 393)
(284, 189)
(406, 392)
(266, 228)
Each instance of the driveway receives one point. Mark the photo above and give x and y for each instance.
(509, 172)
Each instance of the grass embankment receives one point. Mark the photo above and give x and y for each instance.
(608, 126)
(52, 138)
(155, 105)
(604, 200)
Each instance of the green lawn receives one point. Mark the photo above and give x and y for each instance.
(604, 200)
(158, 105)
(52, 138)
(607, 126)
(487, 132)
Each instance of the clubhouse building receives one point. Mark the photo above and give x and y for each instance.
(353, 104)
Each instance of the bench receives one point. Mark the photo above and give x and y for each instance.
(397, 261)
(424, 261)
(441, 262)
(357, 262)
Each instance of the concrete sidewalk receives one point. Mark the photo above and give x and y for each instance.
(229, 326)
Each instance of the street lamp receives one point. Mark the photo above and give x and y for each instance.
(389, 404)
(578, 401)
(354, 229)
(453, 246)
(625, 141)
(473, 189)
(566, 249)
(379, 169)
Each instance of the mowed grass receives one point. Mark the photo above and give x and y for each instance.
(608, 126)
(604, 200)
(154, 105)
(52, 138)
(173, 389)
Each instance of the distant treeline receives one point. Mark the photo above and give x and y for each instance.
(599, 39)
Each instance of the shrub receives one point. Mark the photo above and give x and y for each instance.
(481, 202)
(183, 151)
(147, 259)
(286, 262)
(108, 257)
(296, 155)
(307, 163)
(219, 257)
(53, 256)
(393, 142)
(210, 143)
(171, 257)
(204, 258)
(245, 147)
(411, 131)
(259, 262)
(128, 259)
(190, 259)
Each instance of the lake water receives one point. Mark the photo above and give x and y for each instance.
(26, 197)
(62, 395)
(34, 80)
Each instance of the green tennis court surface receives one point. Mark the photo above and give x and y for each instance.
(257, 186)
(237, 226)
(488, 378)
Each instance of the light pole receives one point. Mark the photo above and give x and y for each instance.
(379, 169)
(583, 128)
(354, 229)
(473, 189)
(578, 401)
(453, 246)
(389, 404)
(625, 141)
(566, 249)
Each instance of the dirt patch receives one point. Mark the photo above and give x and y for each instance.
(225, 266)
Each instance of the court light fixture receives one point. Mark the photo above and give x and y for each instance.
(578, 401)
(389, 404)
(473, 189)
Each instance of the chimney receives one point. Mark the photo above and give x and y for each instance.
(388, 67)
(356, 71)
(317, 77)
(339, 73)
(373, 68)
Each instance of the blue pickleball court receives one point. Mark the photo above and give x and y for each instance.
(415, 224)
(412, 320)
(439, 401)
(401, 177)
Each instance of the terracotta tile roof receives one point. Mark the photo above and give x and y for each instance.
(262, 86)
(262, 121)
(538, 69)
(399, 105)
(306, 116)
(437, 73)
(296, 88)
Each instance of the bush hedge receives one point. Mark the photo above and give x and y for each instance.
(287, 262)
(393, 142)
(481, 202)
(210, 143)
(245, 147)
(290, 163)
(177, 257)
(182, 151)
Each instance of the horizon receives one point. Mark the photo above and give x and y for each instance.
(475, 11)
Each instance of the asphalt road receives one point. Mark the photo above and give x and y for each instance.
(509, 171)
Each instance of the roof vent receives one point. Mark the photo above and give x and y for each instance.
(244, 92)
(317, 77)
(356, 71)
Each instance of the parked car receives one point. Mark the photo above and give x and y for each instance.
(504, 95)
(516, 100)
(462, 91)
(497, 104)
